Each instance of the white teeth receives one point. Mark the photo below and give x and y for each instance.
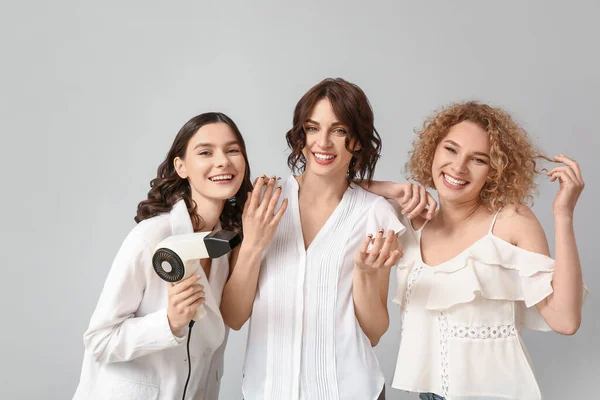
(221, 178)
(453, 181)
(323, 156)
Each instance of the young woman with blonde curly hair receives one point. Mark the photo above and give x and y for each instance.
(480, 269)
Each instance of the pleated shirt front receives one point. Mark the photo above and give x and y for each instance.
(304, 340)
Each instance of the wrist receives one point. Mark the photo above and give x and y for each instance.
(563, 218)
(396, 189)
(175, 329)
(365, 273)
(385, 189)
(180, 333)
(251, 250)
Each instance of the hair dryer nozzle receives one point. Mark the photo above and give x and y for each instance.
(219, 243)
(169, 256)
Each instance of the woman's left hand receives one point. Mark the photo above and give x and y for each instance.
(571, 185)
(414, 200)
(385, 253)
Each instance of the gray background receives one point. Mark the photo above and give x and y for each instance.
(93, 94)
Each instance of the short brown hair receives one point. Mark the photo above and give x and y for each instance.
(352, 107)
(513, 166)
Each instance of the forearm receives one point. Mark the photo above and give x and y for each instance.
(240, 289)
(124, 339)
(566, 300)
(370, 310)
(380, 188)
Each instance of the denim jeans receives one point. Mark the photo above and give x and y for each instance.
(430, 396)
(433, 396)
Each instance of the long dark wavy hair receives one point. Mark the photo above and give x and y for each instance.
(168, 188)
(351, 105)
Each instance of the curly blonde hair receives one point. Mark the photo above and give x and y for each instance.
(513, 165)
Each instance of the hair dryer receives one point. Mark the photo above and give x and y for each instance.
(175, 257)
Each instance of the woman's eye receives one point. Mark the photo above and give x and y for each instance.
(340, 131)
(479, 160)
(310, 129)
(233, 151)
(451, 150)
(204, 153)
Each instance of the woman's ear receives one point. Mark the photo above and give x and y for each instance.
(180, 168)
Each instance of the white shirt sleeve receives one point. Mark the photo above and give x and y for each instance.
(382, 215)
(115, 332)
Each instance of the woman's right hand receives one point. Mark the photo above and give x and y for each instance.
(571, 186)
(184, 299)
(260, 219)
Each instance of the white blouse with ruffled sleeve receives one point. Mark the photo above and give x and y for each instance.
(461, 319)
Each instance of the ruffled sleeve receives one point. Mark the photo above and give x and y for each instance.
(495, 270)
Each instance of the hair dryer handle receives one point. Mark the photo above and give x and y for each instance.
(200, 313)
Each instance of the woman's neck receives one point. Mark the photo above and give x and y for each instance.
(209, 210)
(321, 188)
(452, 215)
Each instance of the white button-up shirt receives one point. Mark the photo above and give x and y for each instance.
(130, 352)
(304, 339)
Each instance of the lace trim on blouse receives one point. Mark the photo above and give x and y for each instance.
(482, 332)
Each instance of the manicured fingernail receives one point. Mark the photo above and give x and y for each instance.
(370, 236)
(381, 231)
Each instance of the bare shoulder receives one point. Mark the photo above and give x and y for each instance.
(518, 225)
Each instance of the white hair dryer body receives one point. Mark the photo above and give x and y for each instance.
(175, 257)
